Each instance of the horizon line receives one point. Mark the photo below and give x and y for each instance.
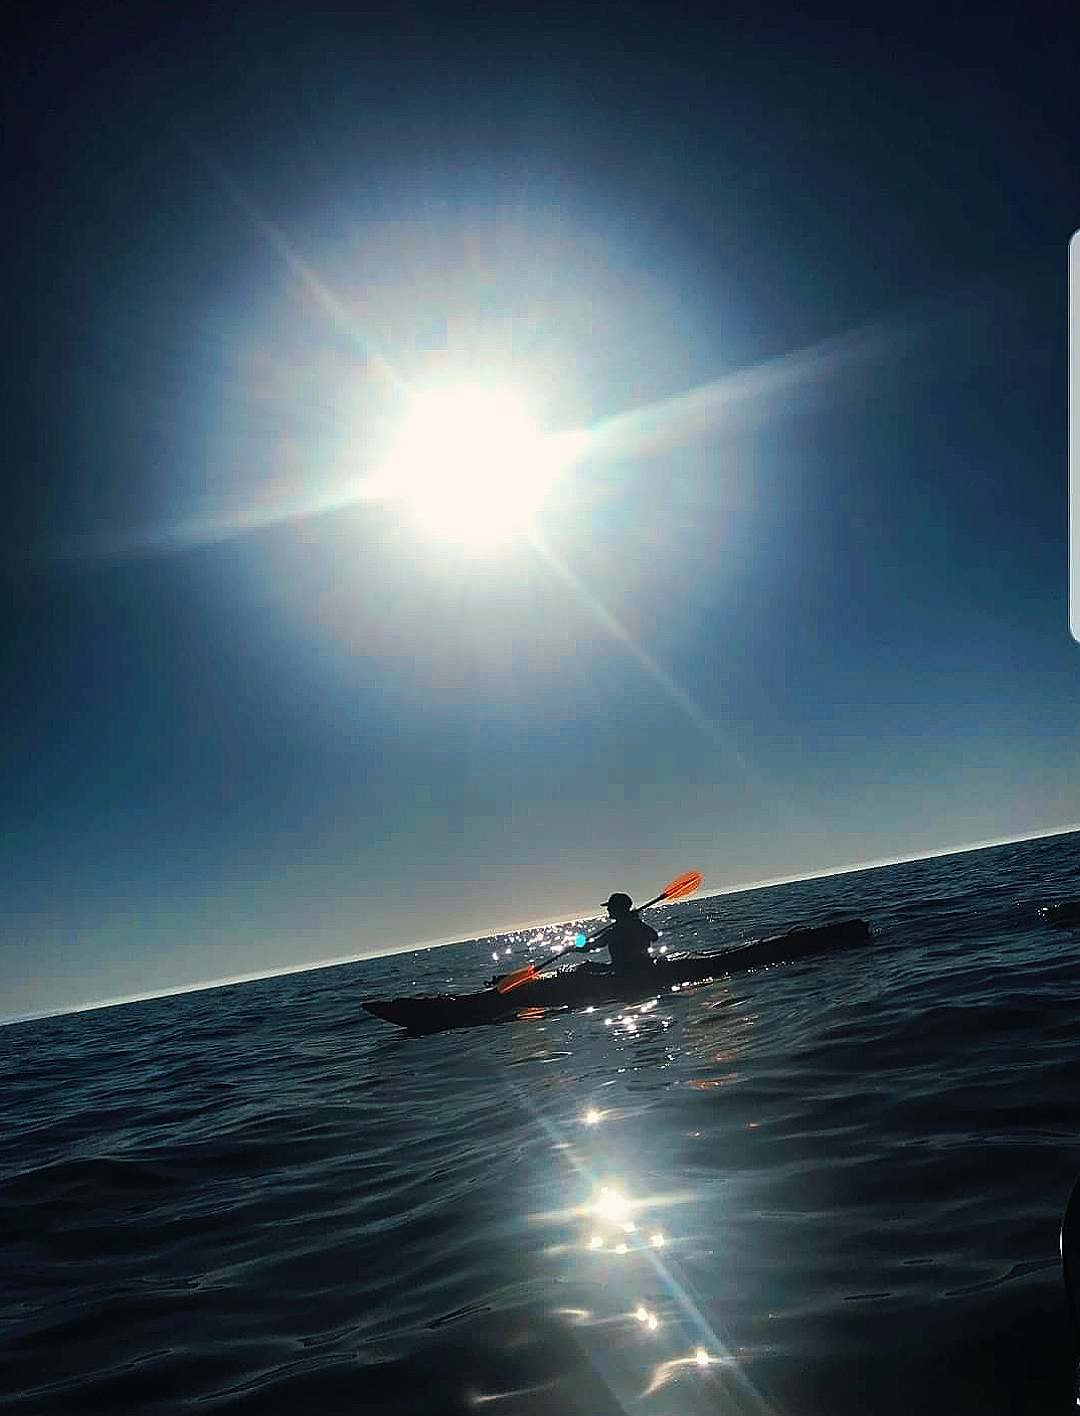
(546, 922)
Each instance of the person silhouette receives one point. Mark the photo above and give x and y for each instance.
(627, 937)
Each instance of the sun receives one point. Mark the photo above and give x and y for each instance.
(472, 465)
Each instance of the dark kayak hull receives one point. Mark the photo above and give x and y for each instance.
(582, 987)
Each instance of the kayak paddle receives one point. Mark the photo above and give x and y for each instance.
(684, 885)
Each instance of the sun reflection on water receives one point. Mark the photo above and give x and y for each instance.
(626, 1269)
(610, 1205)
(668, 1371)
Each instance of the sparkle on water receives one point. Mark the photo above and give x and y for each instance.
(610, 1205)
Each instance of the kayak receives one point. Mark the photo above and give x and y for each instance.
(594, 984)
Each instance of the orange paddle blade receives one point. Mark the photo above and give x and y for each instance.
(685, 885)
(512, 980)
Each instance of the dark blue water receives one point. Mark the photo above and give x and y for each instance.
(832, 1186)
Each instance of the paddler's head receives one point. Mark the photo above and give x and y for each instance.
(619, 905)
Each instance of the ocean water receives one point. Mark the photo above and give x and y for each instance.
(831, 1186)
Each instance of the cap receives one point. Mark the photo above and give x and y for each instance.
(619, 899)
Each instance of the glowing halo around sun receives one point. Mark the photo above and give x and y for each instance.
(471, 465)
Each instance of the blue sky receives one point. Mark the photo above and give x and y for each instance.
(814, 614)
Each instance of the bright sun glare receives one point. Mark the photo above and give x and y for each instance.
(472, 465)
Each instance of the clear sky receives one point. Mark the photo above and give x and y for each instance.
(783, 293)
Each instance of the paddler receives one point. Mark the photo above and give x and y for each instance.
(627, 937)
